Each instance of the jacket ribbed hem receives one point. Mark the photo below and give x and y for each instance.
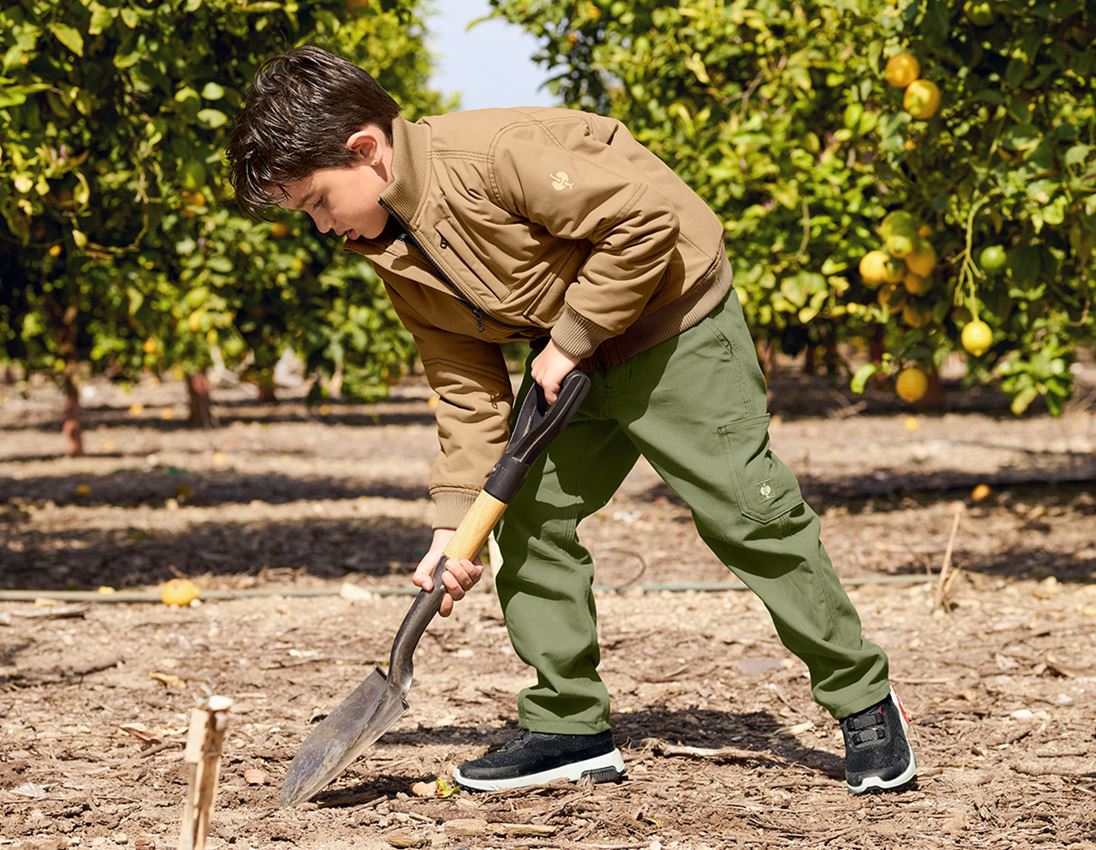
(666, 322)
(450, 506)
(576, 335)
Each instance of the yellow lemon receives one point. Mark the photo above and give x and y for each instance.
(922, 259)
(898, 221)
(899, 245)
(912, 384)
(136, 409)
(178, 591)
(916, 315)
(922, 99)
(902, 70)
(916, 284)
(977, 337)
(877, 267)
(149, 345)
(980, 493)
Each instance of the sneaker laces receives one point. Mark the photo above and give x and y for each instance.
(514, 743)
(868, 727)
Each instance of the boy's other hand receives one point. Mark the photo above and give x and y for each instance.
(458, 577)
(549, 369)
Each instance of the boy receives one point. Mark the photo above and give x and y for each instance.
(556, 226)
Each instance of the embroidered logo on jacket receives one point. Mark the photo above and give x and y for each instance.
(561, 181)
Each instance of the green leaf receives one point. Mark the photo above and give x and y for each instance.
(860, 379)
(212, 118)
(1023, 400)
(101, 18)
(69, 37)
(212, 91)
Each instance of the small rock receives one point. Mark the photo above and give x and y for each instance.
(425, 789)
(121, 838)
(143, 842)
(1023, 714)
(29, 789)
(402, 838)
(255, 776)
(466, 826)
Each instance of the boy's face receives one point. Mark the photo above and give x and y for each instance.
(346, 199)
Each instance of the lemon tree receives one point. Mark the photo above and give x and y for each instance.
(807, 126)
(121, 250)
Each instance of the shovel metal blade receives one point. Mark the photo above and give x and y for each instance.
(355, 723)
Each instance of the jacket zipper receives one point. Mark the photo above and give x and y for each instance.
(477, 311)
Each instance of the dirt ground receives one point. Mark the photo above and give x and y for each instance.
(723, 744)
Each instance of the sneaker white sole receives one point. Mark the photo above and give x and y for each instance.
(572, 772)
(874, 782)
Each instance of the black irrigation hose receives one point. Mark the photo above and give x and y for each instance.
(137, 596)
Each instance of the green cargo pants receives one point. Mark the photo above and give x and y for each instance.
(695, 407)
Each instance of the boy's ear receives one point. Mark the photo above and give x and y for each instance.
(366, 142)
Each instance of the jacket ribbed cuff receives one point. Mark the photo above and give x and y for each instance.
(450, 506)
(576, 335)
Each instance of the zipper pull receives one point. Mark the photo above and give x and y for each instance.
(444, 242)
(478, 313)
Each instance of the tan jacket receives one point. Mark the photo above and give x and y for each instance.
(527, 222)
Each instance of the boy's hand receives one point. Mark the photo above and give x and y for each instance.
(458, 577)
(549, 369)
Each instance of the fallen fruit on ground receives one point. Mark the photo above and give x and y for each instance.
(980, 493)
(912, 384)
(179, 592)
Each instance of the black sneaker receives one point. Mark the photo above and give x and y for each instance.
(877, 755)
(536, 758)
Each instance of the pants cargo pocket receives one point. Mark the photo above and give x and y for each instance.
(765, 487)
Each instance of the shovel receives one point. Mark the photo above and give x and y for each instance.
(378, 702)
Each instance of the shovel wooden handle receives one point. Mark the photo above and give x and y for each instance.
(471, 534)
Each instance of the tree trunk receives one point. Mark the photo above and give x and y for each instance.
(876, 349)
(809, 356)
(934, 395)
(830, 356)
(70, 427)
(266, 386)
(197, 390)
(766, 355)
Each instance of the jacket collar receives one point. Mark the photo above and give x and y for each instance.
(410, 174)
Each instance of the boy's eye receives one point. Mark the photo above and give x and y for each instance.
(319, 202)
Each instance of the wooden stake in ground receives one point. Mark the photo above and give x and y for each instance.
(203, 759)
(946, 580)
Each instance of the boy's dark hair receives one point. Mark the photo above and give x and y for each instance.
(297, 115)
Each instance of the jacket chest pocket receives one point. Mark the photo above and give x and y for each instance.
(463, 260)
(765, 487)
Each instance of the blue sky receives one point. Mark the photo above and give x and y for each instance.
(488, 66)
